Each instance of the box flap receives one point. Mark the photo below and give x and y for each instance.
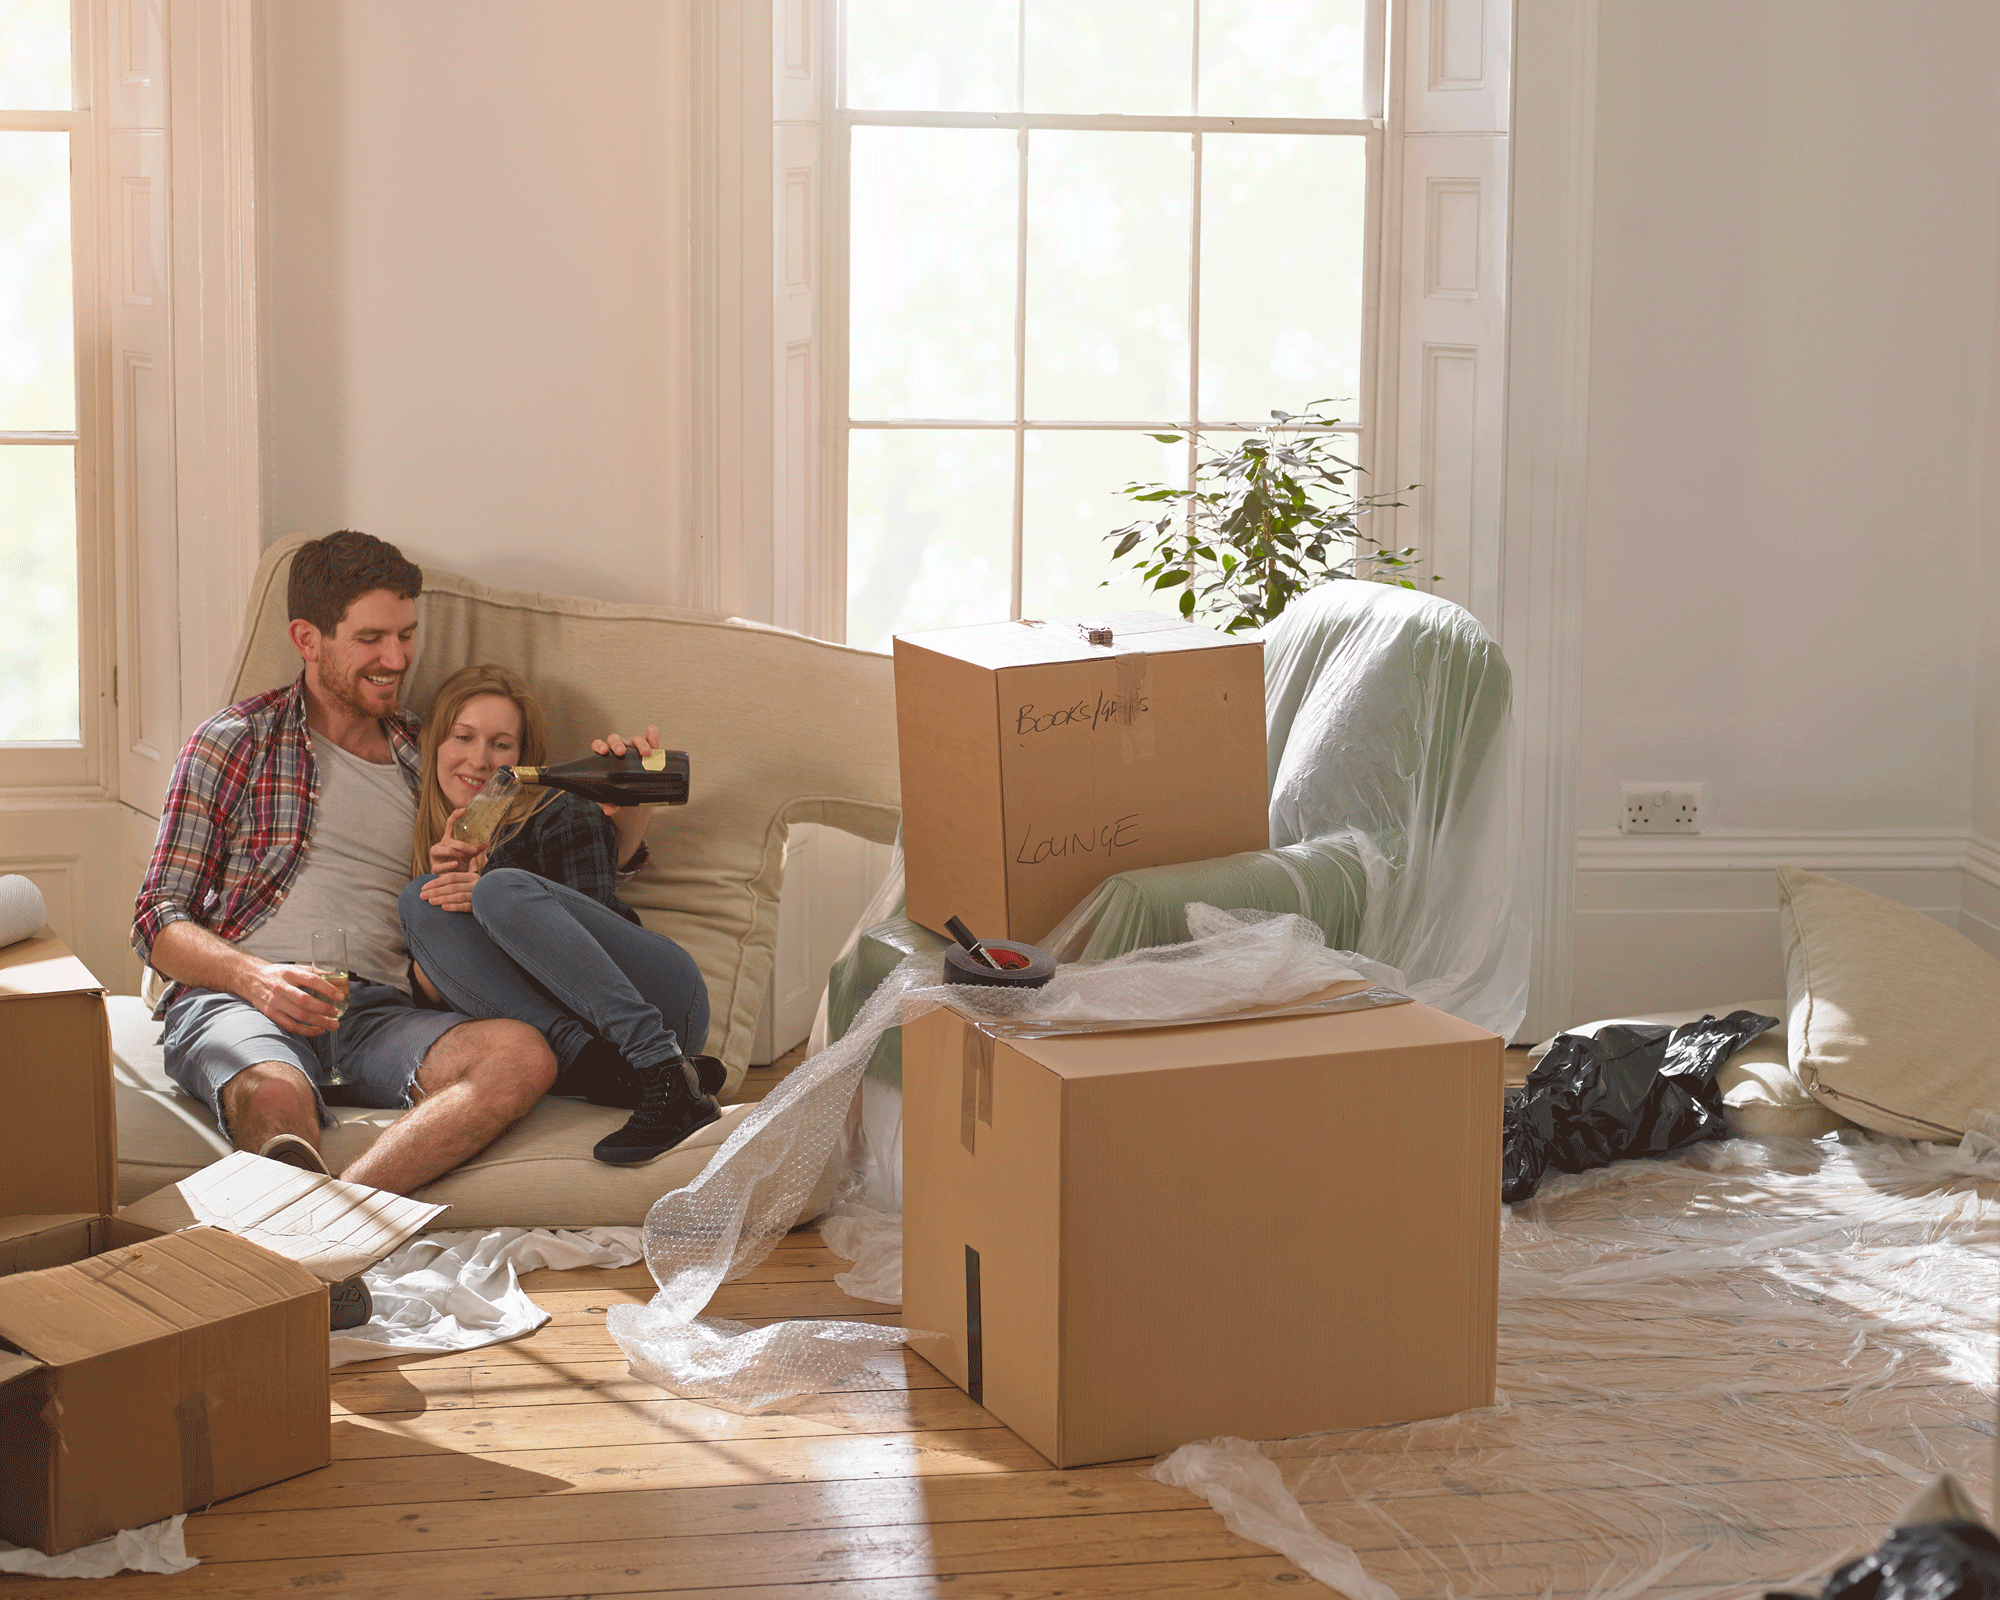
(333, 1229)
(123, 1298)
(1029, 643)
(12, 1228)
(18, 1369)
(43, 966)
(28, 1244)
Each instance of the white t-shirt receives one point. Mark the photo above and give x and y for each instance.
(356, 863)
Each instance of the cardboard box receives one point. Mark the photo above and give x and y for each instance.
(176, 1353)
(61, 1145)
(1259, 1228)
(1035, 764)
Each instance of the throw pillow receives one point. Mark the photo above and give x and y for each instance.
(1893, 1020)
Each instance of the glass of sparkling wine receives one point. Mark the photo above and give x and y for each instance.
(329, 961)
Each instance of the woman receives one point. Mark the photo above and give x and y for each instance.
(530, 928)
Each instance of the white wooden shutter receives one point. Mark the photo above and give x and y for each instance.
(1449, 358)
(133, 77)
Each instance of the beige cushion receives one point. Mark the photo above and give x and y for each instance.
(1893, 1019)
(779, 729)
(538, 1174)
(1762, 1097)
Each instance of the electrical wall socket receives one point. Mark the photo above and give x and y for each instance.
(1660, 808)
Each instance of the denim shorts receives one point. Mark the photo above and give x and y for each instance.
(211, 1036)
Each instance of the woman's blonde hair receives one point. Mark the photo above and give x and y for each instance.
(433, 809)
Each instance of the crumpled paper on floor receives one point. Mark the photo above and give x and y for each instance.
(458, 1291)
(873, 1241)
(157, 1547)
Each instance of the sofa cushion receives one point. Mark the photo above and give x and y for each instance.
(538, 1174)
(1762, 1097)
(1893, 1019)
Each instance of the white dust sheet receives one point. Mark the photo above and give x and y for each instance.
(1717, 1374)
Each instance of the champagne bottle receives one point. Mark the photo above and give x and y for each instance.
(658, 779)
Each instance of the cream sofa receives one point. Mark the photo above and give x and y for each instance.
(779, 730)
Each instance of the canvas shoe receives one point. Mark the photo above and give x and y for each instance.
(672, 1107)
(605, 1078)
(294, 1152)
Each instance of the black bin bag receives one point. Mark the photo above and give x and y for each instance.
(1636, 1089)
(1926, 1561)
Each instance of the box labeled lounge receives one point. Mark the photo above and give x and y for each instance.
(1036, 763)
(55, 1073)
(1259, 1228)
(176, 1353)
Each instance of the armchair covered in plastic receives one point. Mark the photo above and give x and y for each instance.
(1391, 819)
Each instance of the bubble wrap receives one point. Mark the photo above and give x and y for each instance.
(755, 1188)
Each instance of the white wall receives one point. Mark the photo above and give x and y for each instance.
(1792, 347)
(1979, 916)
(472, 237)
(486, 222)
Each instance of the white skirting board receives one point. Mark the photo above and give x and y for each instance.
(1668, 923)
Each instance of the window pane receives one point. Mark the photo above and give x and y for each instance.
(34, 55)
(1071, 501)
(1108, 234)
(38, 653)
(1299, 59)
(1103, 56)
(930, 530)
(1281, 256)
(931, 55)
(931, 296)
(37, 345)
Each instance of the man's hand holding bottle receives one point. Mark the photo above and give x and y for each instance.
(629, 821)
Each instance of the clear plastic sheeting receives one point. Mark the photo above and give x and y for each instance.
(1718, 1374)
(1393, 824)
(756, 1186)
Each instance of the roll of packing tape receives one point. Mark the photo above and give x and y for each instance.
(1021, 966)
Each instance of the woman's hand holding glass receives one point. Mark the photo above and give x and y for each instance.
(457, 866)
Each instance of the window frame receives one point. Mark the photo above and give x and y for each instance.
(1374, 434)
(79, 766)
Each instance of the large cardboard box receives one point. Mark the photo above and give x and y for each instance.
(176, 1353)
(1259, 1228)
(1036, 764)
(61, 1144)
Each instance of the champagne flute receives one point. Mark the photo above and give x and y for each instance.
(329, 961)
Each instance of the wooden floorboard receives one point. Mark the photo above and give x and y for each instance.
(542, 1468)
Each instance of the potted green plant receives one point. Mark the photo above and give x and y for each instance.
(1263, 523)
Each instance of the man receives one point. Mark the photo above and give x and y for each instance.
(292, 811)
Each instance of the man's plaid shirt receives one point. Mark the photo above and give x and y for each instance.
(238, 813)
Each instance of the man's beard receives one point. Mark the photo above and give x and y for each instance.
(345, 692)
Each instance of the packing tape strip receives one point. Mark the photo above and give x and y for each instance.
(975, 1084)
(1135, 736)
(197, 1456)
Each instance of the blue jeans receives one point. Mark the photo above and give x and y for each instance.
(544, 954)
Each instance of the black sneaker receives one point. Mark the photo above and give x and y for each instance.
(605, 1078)
(672, 1108)
(349, 1304)
(710, 1073)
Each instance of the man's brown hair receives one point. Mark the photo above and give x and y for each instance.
(331, 573)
